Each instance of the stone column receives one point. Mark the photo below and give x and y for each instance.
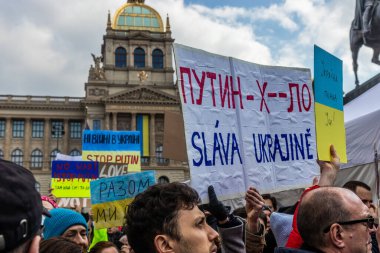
(8, 138)
(133, 122)
(114, 121)
(107, 121)
(47, 150)
(148, 61)
(27, 139)
(130, 56)
(152, 133)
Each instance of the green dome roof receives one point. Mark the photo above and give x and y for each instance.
(137, 16)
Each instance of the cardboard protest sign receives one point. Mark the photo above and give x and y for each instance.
(245, 124)
(63, 157)
(72, 178)
(329, 115)
(112, 147)
(105, 170)
(74, 202)
(112, 169)
(111, 196)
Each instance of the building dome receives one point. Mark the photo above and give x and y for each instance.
(135, 15)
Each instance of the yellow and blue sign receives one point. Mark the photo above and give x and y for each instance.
(111, 196)
(113, 147)
(329, 115)
(72, 178)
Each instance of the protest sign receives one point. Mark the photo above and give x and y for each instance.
(72, 178)
(111, 196)
(112, 169)
(63, 157)
(245, 124)
(112, 147)
(74, 202)
(329, 115)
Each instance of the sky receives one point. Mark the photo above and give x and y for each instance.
(46, 45)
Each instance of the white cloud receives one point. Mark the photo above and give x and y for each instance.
(193, 26)
(49, 53)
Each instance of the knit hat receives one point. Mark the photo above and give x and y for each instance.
(281, 225)
(20, 206)
(61, 219)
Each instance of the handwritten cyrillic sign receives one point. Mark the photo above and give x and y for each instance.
(245, 124)
(112, 147)
(72, 178)
(111, 196)
(329, 115)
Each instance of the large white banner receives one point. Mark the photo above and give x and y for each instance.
(245, 124)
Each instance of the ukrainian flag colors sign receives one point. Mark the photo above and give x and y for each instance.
(113, 147)
(111, 196)
(329, 116)
(143, 127)
(72, 178)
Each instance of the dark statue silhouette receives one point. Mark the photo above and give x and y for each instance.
(371, 38)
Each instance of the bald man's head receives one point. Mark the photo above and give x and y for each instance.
(321, 208)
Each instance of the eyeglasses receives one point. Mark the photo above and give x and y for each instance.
(369, 220)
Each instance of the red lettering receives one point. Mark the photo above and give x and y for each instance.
(238, 92)
(224, 92)
(292, 85)
(201, 85)
(183, 71)
(262, 93)
(212, 77)
(135, 159)
(307, 108)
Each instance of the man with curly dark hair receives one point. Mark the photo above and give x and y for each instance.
(166, 218)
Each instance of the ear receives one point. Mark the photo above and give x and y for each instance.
(35, 245)
(164, 244)
(337, 236)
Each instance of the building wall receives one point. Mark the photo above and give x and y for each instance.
(114, 97)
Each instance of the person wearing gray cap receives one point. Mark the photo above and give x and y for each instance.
(21, 209)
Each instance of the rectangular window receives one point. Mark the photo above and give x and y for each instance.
(18, 128)
(138, 21)
(37, 128)
(96, 124)
(2, 128)
(57, 130)
(75, 129)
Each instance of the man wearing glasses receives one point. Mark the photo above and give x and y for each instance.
(363, 191)
(332, 219)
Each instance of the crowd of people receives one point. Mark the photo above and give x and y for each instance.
(170, 218)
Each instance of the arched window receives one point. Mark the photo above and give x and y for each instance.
(53, 155)
(36, 159)
(17, 157)
(163, 180)
(158, 59)
(75, 152)
(120, 57)
(139, 54)
(1, 154)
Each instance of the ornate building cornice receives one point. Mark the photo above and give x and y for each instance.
(47, 103)
(142, 95)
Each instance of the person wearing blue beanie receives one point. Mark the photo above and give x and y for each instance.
(68, 224)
